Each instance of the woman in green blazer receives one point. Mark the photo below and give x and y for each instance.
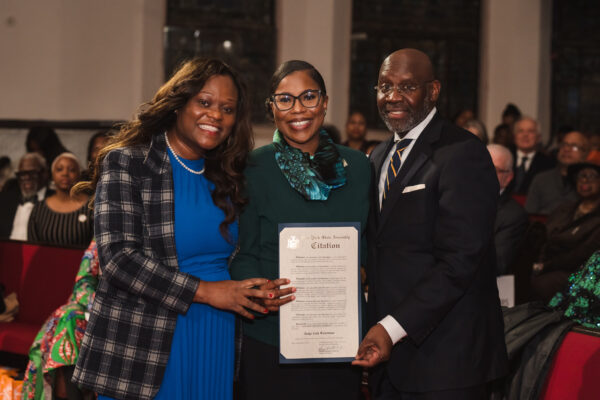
(301, 177)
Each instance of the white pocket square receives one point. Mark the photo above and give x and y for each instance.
(412, 188)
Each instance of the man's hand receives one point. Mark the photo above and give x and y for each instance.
(376, 347)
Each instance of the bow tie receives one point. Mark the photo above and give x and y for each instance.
(31, 199)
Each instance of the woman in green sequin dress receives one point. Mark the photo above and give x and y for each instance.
(581, 297)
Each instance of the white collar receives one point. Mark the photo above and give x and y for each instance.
(529, 155)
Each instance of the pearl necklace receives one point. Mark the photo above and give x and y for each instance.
(179, 161)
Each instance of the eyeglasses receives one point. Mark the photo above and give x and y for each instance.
(285, 101)
(406, 88)
(588, 176)
(571, 146)
(30, 174)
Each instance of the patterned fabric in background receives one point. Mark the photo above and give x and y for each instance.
(581, 298)
(57, 344)
(10, 389)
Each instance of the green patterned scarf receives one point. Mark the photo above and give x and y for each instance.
(312, 176)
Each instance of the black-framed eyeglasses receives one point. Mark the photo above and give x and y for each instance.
(406, 88)
(29, 174)
(284, 101)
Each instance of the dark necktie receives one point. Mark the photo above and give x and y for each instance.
(520, 174)
(394, 167)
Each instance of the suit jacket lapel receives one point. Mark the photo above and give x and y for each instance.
(380, 156)
(417, 157)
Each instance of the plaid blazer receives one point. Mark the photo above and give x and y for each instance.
(127, 342)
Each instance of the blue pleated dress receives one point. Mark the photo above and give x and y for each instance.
(201, 362)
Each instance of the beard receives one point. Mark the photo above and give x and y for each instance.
(25, 193)
(414, 117)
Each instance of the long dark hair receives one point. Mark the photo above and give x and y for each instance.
(287, 68)
(46, 139)
(224, 164)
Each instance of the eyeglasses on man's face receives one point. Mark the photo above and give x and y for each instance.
(571, 146)
(284, 101)
(405, 88)
(28, 174)
(588, 176)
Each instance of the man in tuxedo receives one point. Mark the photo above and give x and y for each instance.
(528, 160)
(511, 219)
(17, 200)
(431, 269)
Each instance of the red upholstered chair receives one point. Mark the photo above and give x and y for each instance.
(520, 198)
(575, 371)
(43, 278)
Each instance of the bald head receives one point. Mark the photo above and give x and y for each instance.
(410, 59)
(407, 90)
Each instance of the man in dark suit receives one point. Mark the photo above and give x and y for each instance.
(528, 160)
(511, 219)
(431, 266)
(18, 198)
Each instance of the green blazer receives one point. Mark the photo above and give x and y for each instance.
(273, 201)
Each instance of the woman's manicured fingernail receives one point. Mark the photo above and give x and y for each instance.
(270, 295)
(265, 311)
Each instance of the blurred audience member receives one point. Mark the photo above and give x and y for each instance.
(5, 170)
(62, 219)
(529, 161)
(17, 202)
(45, 141)
(511, 219)
(463, 116)
(551, 188)
(511, 114)
(572, 233)
(477, 128)
(503, 136)
(97, 142)
(552, 150)
(356, 133)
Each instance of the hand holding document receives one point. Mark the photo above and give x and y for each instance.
(322, 263)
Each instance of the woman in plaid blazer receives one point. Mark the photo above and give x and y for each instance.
(200, 116)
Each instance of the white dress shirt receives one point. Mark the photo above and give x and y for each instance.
(389, 323)
(529, 156)
(413, 134)
(21, 220)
